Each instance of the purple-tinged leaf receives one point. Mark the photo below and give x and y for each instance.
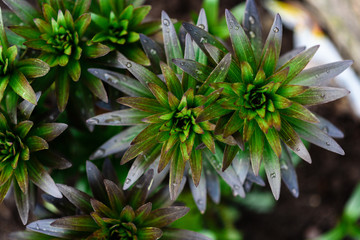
(329, 128)
(217, 75)
(96, 182)
(81, 25)
(137, 149)
(300, 112)
(4, 190)
(41, 178)
(181, 234)
(121, 82)
(33, 67)
(229, 155)
(141, 163)
(196, 166)
(23, 128)
(22, 178)
(320, 95)
(62, 86)
(197, 70)
(49, 131)
(118, 143)
(288, 174)
(149, 233)
(140, 190)
(3, 39)
(289, 55)
(27, 107)
(82, 223)
(298, 63)
(272, 169)
(153, 51)
(211, 112)
(252, 27)
(172, 81)
(53, 160)
(144, 104)
(239, 40)
(274, 141)
(199, 192)
(22, 203)
(212, 182)
(102, 209)
(141, 73)
(21, 86)
(96, 86)
(241, 165)
(274, 39)
(171, 42)
(116, 196)
(311, 133)
(44, 227)
(177, 169)
(119, 118)
(35, 143)
(164, 216)
(256, 145)
(293, 141)
(79, 199)
(201, 37)
(23, 9)
(80, 7)
(322, 74)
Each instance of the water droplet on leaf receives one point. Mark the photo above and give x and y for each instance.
(153, 51)
(276, 30)
(252, 20)
(252, 34)
(166, 22)
(201, 26)
(273, 175)
(128, 65)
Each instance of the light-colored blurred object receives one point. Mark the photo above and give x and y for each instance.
(307, 32)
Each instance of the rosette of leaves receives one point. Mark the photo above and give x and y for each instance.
(203, 175)
(118, 24)
(264, 98)
(14, 74)
(24, 157)
(58, 32)
(112, 213)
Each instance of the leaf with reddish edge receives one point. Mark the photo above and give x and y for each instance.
(79, 199)
(39, 176)
(164, 216)
(293, 141)
(22, 203)
(229, 155)
(272, 169)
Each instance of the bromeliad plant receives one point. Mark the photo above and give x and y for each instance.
(24, 156)
(14, 74)
(58, 32)
(113, 214)
(118, 24)
(263, 100)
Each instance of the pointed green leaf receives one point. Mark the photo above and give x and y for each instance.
(298, 111)
(22, 203)
(96, 86)
(41, 178)
(165, 216)
(256, 145)
(96, 182)
(272, 169)
(36, 143)
(23, 9)
(23, 128)
(172, 81)
(144, 104)
(177, 168)
(49, 131)
(320, 95)
(79, 199)
(197, 70)
(229, 155)
(62, 86)
(21, 86)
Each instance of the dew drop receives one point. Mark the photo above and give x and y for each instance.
(182, 64)
(222, 68)
(252, 34)
(166, 22)
(236, 187)
(153, 51)
(298, 149)
(252, 20)
(93, 121)
(327, 144)
(276, 30)
(203, 40)
(99, 153)
(236, 27)
(200, 202)
(201, 26)
(325, 129)
(96, 72)
(322, 95)
(128, 65)
(127, 181)
(273, 175)
(199, 72)
(145, 41)
(174, 184)
(294, 191)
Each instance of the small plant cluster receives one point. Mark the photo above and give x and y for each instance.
(191, 108)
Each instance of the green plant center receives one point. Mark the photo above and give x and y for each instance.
(10, 146)
(123, 231)
(4, 66)
(255, 97)
(63, 41)
(183, 121)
